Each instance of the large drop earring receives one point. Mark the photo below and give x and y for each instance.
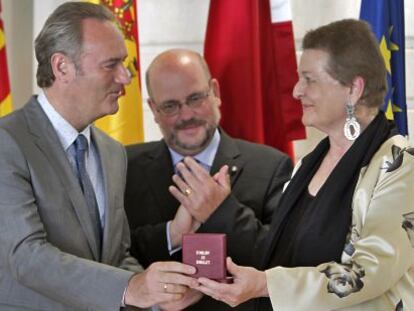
(352, 128)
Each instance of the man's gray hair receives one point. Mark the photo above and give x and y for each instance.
(62, 33)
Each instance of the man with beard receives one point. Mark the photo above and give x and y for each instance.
(185, 101)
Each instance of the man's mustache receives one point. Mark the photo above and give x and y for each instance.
(191, 122)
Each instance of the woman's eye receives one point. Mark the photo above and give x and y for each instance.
(309, 80)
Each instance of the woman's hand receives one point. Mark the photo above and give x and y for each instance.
(248, 283)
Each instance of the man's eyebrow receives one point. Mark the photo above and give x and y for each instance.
(114, 59)
(195, 94)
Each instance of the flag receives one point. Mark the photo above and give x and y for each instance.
(251, 52)
(126, 125)
(5, 95)
(387, 21)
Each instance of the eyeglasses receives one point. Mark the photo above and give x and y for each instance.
(172, 107)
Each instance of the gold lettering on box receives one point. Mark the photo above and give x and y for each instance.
(202, 257)
(203, 262)
(202, 252)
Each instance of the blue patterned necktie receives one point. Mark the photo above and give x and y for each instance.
(81, 145)
(205, 166)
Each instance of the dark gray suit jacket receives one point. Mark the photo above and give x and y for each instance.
(244, 216)
(47, 249)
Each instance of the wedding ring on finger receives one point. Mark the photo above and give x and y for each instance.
(165, 287)
(188, 192)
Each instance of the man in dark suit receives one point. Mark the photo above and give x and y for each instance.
(64, 237)
(185, 101)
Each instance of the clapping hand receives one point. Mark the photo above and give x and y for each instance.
(200, 193)
(183, 222)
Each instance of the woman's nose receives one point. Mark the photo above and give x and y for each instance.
(297, 90)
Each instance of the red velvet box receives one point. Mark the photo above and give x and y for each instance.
(206, 252)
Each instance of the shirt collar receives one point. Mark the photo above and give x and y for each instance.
(206, 156)
(65, 131)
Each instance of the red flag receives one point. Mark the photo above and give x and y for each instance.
(5, 96)
(254, 61)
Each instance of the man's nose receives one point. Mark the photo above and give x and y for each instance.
(123, 75)
(185, 111)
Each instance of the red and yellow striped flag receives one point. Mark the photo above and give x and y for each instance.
(5, 95)
(126, 125)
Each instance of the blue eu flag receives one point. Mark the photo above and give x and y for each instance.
(387, 21)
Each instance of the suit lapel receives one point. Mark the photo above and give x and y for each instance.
(111, 224)
(45, 137)
(229, 154)
(159, 172)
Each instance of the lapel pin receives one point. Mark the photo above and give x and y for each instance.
(233, 169)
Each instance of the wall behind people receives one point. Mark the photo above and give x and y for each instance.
(18, 23)
(165, 24)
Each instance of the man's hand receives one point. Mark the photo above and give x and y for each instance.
(197, 191)
(190, 297)
(161, 282)
(248, 283)
(183, 222)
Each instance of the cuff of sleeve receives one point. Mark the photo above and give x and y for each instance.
(171, 251)
(123, 298)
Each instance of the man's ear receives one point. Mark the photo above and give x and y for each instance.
(153, 107)
(61, 67)
(215, 87)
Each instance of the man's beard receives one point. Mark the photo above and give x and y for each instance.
(188, 148)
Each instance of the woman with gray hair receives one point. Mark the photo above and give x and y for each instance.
(342, 235)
